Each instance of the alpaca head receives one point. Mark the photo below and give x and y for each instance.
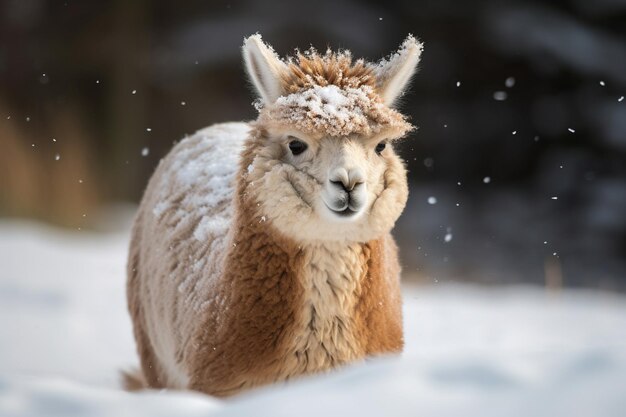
(324, 167)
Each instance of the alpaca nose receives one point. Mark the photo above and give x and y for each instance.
(347, 179)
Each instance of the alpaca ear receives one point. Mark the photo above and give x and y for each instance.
(264, 68)
(393, 74)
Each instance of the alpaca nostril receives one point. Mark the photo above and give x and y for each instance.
(340, 184)
(355, 184)
(346, 186)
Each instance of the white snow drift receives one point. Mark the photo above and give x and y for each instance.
(65, 334)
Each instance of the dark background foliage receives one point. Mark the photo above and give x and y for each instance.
(522, 127)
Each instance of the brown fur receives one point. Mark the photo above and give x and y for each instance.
(311, 68)
(379, 311)
(266, 292)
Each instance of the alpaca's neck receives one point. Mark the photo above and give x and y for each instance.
(317, 287)
(331, 277)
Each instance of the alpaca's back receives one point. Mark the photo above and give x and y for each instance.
(178, 244)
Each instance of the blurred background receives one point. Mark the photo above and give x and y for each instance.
(518, 169)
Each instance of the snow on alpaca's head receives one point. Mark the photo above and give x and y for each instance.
(347, 183)
(331, 94)
(336, 112)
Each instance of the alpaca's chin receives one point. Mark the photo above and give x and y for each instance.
(336, 208)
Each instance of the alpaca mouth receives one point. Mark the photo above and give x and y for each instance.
(346, 212)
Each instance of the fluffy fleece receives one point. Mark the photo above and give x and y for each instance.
(238, 275)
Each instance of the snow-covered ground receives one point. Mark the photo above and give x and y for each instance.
(65, 334)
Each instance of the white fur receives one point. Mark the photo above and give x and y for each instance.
(291, 192)
(395, 73)
(264, 68)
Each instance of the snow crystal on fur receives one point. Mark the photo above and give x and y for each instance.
(193, 203)
(336, 111)
(395, 72)
(398, 57)
(203, 175)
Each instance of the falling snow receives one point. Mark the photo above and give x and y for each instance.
(145, 151)
(432, 200)
(487, 180)
(500, 95)
(509, 82)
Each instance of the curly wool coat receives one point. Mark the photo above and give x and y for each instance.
(222, 300)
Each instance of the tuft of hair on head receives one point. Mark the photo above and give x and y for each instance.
(331, 68)
(264, 67)
(394, 73)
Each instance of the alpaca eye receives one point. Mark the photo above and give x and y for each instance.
(297, 147)
(380, 147)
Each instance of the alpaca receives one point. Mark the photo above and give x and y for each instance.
(262, 251)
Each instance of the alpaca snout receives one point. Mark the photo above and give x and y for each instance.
(345, 199)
